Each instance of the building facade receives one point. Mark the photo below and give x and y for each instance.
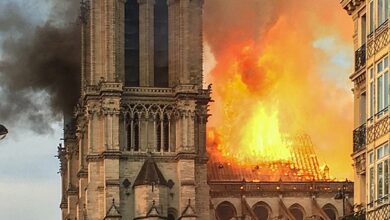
(371, 100)
(137, 149)
(136, 146)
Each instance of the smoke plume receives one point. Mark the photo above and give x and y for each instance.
(39, 63)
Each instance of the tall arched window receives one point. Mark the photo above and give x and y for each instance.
(225, 211)
(161, 43)
(262, 211)
(136, 127)
(330, 211)
(129, 132)
(158, 132)
(132, 43)
(166, 133)
(297, 211)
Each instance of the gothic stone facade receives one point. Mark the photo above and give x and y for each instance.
(136, 147)
(130, 117)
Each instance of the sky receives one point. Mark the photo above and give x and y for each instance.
(29, 183)
(28, 169)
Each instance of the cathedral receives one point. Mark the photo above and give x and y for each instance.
(136, 145)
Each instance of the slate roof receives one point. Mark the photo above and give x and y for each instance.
(150, 174)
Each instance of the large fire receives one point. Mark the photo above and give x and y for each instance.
(278, 73)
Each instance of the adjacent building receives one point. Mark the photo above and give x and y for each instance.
(371, 105)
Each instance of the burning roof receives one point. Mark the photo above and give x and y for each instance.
(301, 165)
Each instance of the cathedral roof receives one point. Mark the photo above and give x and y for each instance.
(150, 174)
(303, 166)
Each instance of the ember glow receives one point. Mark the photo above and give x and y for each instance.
(281, 69)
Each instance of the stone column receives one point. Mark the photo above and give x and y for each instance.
(72, 192)
(146, 41)
(104, 31)
(186, 174)
(184, 41)
(82, 173)
(120, 40)
(111, 99)
(173, 33)
(196, 42)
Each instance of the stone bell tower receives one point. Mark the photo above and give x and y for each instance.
(137, 147)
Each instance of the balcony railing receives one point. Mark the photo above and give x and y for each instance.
(360, 57)
(359, 138)
(379, 213)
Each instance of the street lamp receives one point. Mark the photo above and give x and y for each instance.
(3, 131)
(342, 194)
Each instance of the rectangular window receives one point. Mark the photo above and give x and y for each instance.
(379, 181)
(383, 11)
(379, 153)
(382, 173)
(386, 178)
(380, 12)
(380, 94)
(379, 67)
(382, 88)
(371, 16)
(371, 158)
(363, 27)
(362, 108)
(371, 93)
(372, 187)
(386, 89)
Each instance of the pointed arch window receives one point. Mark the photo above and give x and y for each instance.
(330, 211)
(262, 210)
(161, 43)
(297, 211)
(133, 127)
(166, 128)
(132, 43)
(162, 133)
(226, 211)
(136, 127)
(129, 133)
(158, 133)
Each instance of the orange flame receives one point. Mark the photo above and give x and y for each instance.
(275, 77)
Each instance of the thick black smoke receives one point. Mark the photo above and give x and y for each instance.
(39, 64)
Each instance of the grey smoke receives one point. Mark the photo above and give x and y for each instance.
(39, 64)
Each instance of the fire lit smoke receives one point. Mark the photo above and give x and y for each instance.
(279, 70)
(39, 62)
